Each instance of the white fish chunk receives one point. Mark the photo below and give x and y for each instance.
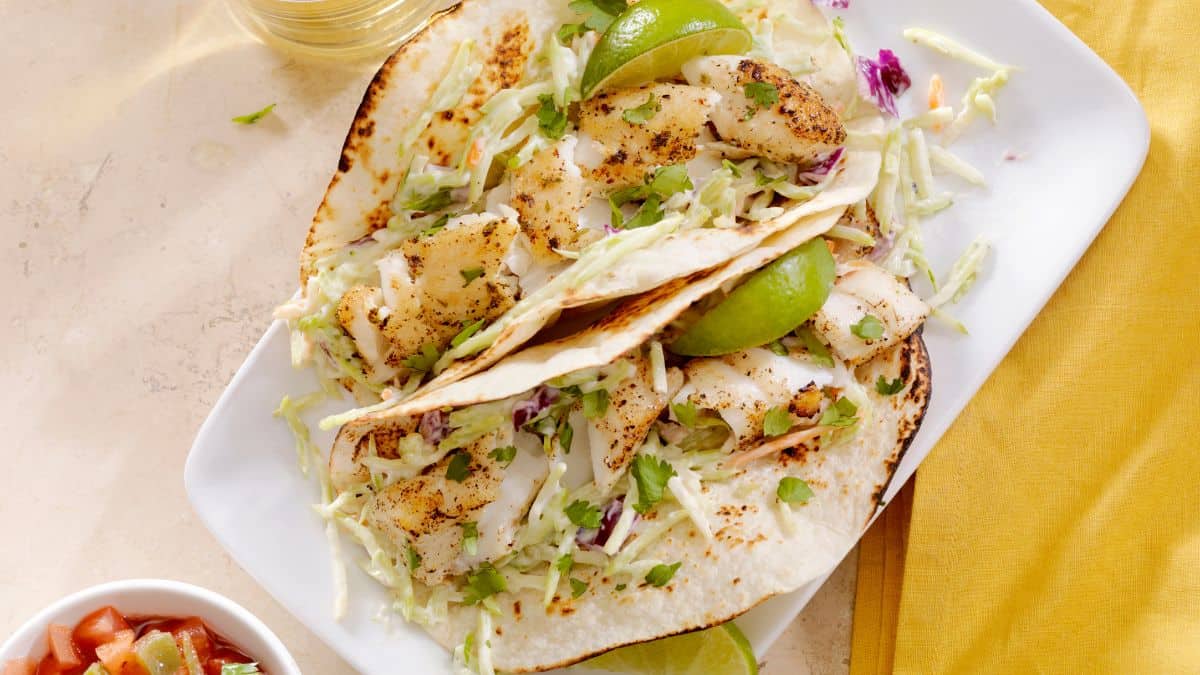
(798, 127)
(361, 313)
(863, 288)
(549, 192)
(633, 406)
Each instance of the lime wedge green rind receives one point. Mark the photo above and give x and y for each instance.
(654, 38)
(722, 649)
(765, 307)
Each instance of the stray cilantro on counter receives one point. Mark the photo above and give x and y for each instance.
(254, 117)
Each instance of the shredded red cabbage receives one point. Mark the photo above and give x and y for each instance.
(530, 408)
(434, 426)
(817, 172)
(608, 522)
(883, 80)
(835, 4)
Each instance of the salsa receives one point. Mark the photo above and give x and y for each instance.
(107, 642)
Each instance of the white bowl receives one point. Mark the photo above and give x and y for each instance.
(158, 597)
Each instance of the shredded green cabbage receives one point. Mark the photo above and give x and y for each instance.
(947, 47)
(962, 274)
(950, 163)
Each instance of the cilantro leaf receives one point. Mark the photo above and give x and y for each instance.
(470, 274)
(466, 333)
(868, 328)
(642, 113)
(414, 560)
(669, 180)
(570, 30)
(621, 587)
(889, 388)
(254, 117)
(840, 414)
(484, 583)
(578, 587)
(240, 669)
(660, 575)
(764, 94)
(686, 413)
(470, 540)
(565, 563)
(459, 467)
(595, 403)
(815, 348)
(777, 422)
(651, 475)
(583, 514)
(436, 226)
(504, 455)
(599, 14)
(733, 168)
(552, 122)
(430, 203)
(649, 213)
(423, 361)
(793, 491)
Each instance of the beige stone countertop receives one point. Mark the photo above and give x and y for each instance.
(146, 239)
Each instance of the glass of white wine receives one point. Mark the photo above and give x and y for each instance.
(340, 28)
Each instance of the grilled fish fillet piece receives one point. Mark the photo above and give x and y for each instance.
(429, 512)
(548, 193)
(628, 150)
(798, 128)
(433, 285)
(362, 314)
(741, 388)
(863, 288)
(633, 406)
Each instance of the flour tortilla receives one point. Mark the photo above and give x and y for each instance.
(357, 201)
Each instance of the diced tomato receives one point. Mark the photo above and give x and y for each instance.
(194, 628)
(19, 667)
(221, 657)
(99, 627)
(62, 647)
(118, 657)
(51, 666)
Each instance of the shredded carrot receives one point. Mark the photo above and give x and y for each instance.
(776, 444)
(476, 153)
(937, 92)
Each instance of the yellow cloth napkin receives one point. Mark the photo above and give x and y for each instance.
(1056, 527)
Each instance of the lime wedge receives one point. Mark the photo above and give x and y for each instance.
(654, 38)
(765, 307)
(723, 649)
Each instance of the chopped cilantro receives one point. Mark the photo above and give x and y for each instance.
(484, 583)
(414, 560)
(470, 540)
(664, 182)
(660, 575)
(565, 563)
(777, 422)
(814, 346)
(621, 587)
(889, 388)
(552, 122)
(733, 168)
(649, 213)
(642, 113)
(583, 514)
(686, 413)
(595, 403)
(651, 475)
(504, 455)
(578, 587)
(764, 94)
(793, 491)
(459, 467)
(599, 14)
(470, 274)
(668, 180)
(840, 414)
(868, 328)
(254, 117)
(570, 30)
(467, 331)
(430, 203)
